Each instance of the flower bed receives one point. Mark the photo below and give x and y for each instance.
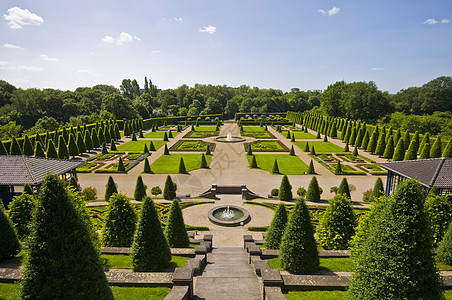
(258, 134)
(266, 146)
(196, 145)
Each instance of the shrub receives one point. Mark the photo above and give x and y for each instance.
(104, 149)
(175, 231)
(371, 147)
(156, 190)
(399, 151)
(312, 151)
(169, 193)
(120, 222)
(208, 151)
(63, 262)
(147, 167)
(336, 227)
(365, 141)
(113, 145)
(292, 151)
(39, 151)
(204, 162)
(121, 167)
(389, 149)
(435, 150)
(355, 151)
(306, 147)
(10, 245)
(325, 138)
(110, 188)
(141, 136)
(182, 168)
(274, 192)
(249, 152)
(72, 146)
(134, 137)
(425, 152)
(27, 146)
(145, 150)
(73, 183)
(166, 151)
(80, 143)
(150, 250)
(276, 230)
(63, 152)
(293, 138)
(15, 147)
(381, 145)
(313, 193)
(165, 137)
(439, 211)
(275, 169)
(344, 188)
(88, 141)
(411, 153)
(89, 193)
(445, 247)
(285, 189)
(151, 146)
(366, 195)
(301, 191)
(28, 190)
(338, 169)
(447, 152)
(288, 134)
(378, 190)
(298, 250)
(51, 150)
(396, 261)
(140, 189)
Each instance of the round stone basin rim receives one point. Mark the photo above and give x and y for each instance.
(214, 220)
(234, 139)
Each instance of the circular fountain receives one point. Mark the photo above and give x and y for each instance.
(229, 138)
(228, 215)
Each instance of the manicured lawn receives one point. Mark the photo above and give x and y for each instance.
(319, 146)
(345, 264)
(268, 146)
(124, 261)
(169, 164)
(300, 135)
(253, 128)
(200, 134)
(205, 128)
(315, 295)
(196, 145)
(159, 134)
(257, 134)
(288, 165)
(139, 145)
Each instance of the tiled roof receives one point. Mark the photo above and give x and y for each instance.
(21, 169)
(429, 172)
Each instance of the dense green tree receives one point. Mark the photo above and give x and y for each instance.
(381, 145)
(439, 211)
(372, 146)
(73, 183)
(39, 151)
(389, 149)
(28, 147)
(10, 245)
(121, 167)
(425, 152)
(51, 151)
(72, 146)
(285, 189)
(110, 188)
(204, 164)
(313, 193)
(3, 150)
(20, 213)
(113, 145)
(182, 168)
(275, 232)
(298, 250)
(447, 152)
(275, 169)
(150, 250)
(28, 190)
(88, 141)
(425, 140)
(119, 224)
(338, 169)
(344, 188)
(306, 147)
(337, 225)
(140, 189)
(100, 136)
(15, 147)
(399, 152)
(166, 151)
(151, 146)
(249, 151)
(435, 150)
(169, 192)
(175, 231)
(377, 191)
(95, 138)
(147, 167)
(80, 143)
(396, 261)
(63, 152)
(311, 168)
(411, 153)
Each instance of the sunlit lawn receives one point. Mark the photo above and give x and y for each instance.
(253, 128)
(124, 261)
(159, 134)
(139, 145)
(205, 128)
(316, 295)
(343, 264)
(300, 135)
(319, 146)
(268, 146)
(169, 164)
(287, 164)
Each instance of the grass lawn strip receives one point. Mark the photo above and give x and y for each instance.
(299, 135)
(253, 128)
(316, 295)
(121, 261)
(319, 146)
(159, 134)
(205, 128)
(258, 134)
(267, 146)
(195, 145)
(288, 165)
(169, 164)
(139, 145)
(201, 134)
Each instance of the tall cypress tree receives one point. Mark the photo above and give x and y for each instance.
(425, 139)
(313, 193)
(140, 189)
(373, 142)
(435, 150)
(80, 143)
(389, 149)
(28, 147)
(365, 141)
(72, 146)
(275, 232)
(110, 188)
(168, 190)
(95, 138)
(63, 152)
(285, 189)
(15, 148)
(10, 245)
(399, 152)
(411, 153)
(51, 152)
(175, 231)
(381, 145)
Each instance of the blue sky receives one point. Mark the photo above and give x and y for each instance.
(270, 44)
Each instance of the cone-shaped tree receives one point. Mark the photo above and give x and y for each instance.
(325, 138)
(175, 231)
(95, 138)
(140, 189)
(147, 167)
(51, 151)
(134, 136)
(126, 129)
(170, 134)
(165, 137)
(381, 145)
(28, 147)
(292, 151)
(312, 150)
(425, 152)
(168, 190)
(120, 222)
(107, 136)
(396, 262)
(63, 262)
(411, 153)
(337, 225)
(346, 148)
(10, 245)
(293, 138)
(355, 151)
(333, 131)
(21, 212)
(117, 133)
(445, 247)
(285, 189)
(389, 150)
(63, 152)
(100, 136)
(311, 168)
(288, 135)
(3, 150)
(253, 163)
(110, 188)
(104, 149)
(80, 143)
(435, 150)
(15, 147)
(208, 151)
(39, 151)
(275, 169)
(151, 146)
(425, 139)
(140, 134)
(72, 146)
(203, 162)
(113, 145)
(146, 150)
(298, 250)
(399, 152)
(182, 169)
(439, 211)
(250, 151)
(88, 141)
(447, 152)
(377, 191)
(365, 141)
(306, 148)
(318, 135)
(372, 146)
(150, 250)
(73, 183)
(313, 193)
(275, 232)
(434, 191)
(338, 168)
(344, 188)
(166, 151)
(407, 138)
(121, 167)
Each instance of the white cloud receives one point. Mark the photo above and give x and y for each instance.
(377, 69)
(155, 51)
(335, 10)
(3, 63)
(19, 17)
(26, 68)
(85, 73)
(445, 21)
(11, 46)
(47, 58)
(430, 22)
(208, 29)
(123, 38)
(178, 19)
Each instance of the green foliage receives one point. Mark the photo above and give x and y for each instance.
(112, 146)
(293, 138)
(365, 141)
(355, 151)
(28, 147)
(169, 192)
(165, 137)
(435, 150)
(249, 152)
(63, 262)
(204, 162)
(325, 138)
(336, 227)
(274, 192)
(51, 151)
(301, 191)
(156, 190)
(9, 245)
(15, 147)
(182, 168)
(104, 149)
(346, 148)
(298, 250)
(311, 168)
(288, 135)
(150, 250)
(134, 137)
(95, 138)
(285, 189)
(39, 151)
(63, 152)
(151, 146)
(399, 152)
(306, 148)
(344, 189)
(80, 143)
(447, 152)
(445, 247)
(110, 188)
(28, 190)
(175, 231)
(378, 190)
(141, 136)
(73, 183)
(276, 230)
(120, 222)
(3, 150)
(72, 146)
(411, 153)
(145, 150)
(372, 146)
(292, 151)
(147, 167)
(396, 260)
(389, 149)
(166, 151)
(425, 152)
(20, 213)
(381, 145)
(275, 169)
(313, 194)
(338, 169)
(89, 193)
(439, 211)
(140, 189)
(121, 167)
(208, 151)
(312, 151)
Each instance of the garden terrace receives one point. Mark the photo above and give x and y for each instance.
(129, 160)
(319, 146)
(350, 164)
(202, 132)
(169, 164)
(258, 134)
(159, 134)
(266, 146)
(196, 145)
(300, 135)
(287, 164)
(139, 145)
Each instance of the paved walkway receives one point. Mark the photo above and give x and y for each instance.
(227, 276)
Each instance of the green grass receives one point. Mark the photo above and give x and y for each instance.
(319, 146)
(334, 264)
(315, 295)
(196, 145)
(124, 262)
(288, 165)
(200, 134)
(301, 135)
(253, 128)
(159, 134)
(169, 164)
(257, 134)
(139, 145)
(205, 128)
(268, 146)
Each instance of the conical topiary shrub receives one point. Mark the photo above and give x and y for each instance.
(166, 151)
(249, 151)
(253, 164)
(285, 189)
(337, 226)
(120, 222)
(63, 152)
(10, 245)
(145, 150)
(3, 150)
(338, 169)
(140, 189)
(292, 151)
(293, 138)
(110, 188)
(298, 250)
(371, 147)
(39, 151)
(150, 250)
(51, 151)
(121, 167)
(165, 137)
(365, 141)
(170, 134)
(355, 151)
(306, 147)
(312, 151)
(381, 144)
(203, 162)
(275, 232)
(208, 151)
(28, 147)
(113, 145)
(140, 135)
(15, 147)
(95, 138)
(288, 135)
(439, 211)
(104, 149)
(399, 151)
(447, 152)
(313, 193)
(88, 141)
(344, 188)
(63, 262)
(72, 146)
(134, 137)
(147, 167)
(168, 190)
(445, 247)
(389, 150)
(435, 150)
(425, 152)
(151, 146)
(80, 143)
(275, 169)
(377, 191)
(396, 261)
(175, 231)
(346, 148)
(311, 168)
(411, 153)
(182, 169)
(325, 138)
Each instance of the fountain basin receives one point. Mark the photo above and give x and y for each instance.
(228, 215)
(232, 139)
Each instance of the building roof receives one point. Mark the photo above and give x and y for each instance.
(21, 169)
(429, 172)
